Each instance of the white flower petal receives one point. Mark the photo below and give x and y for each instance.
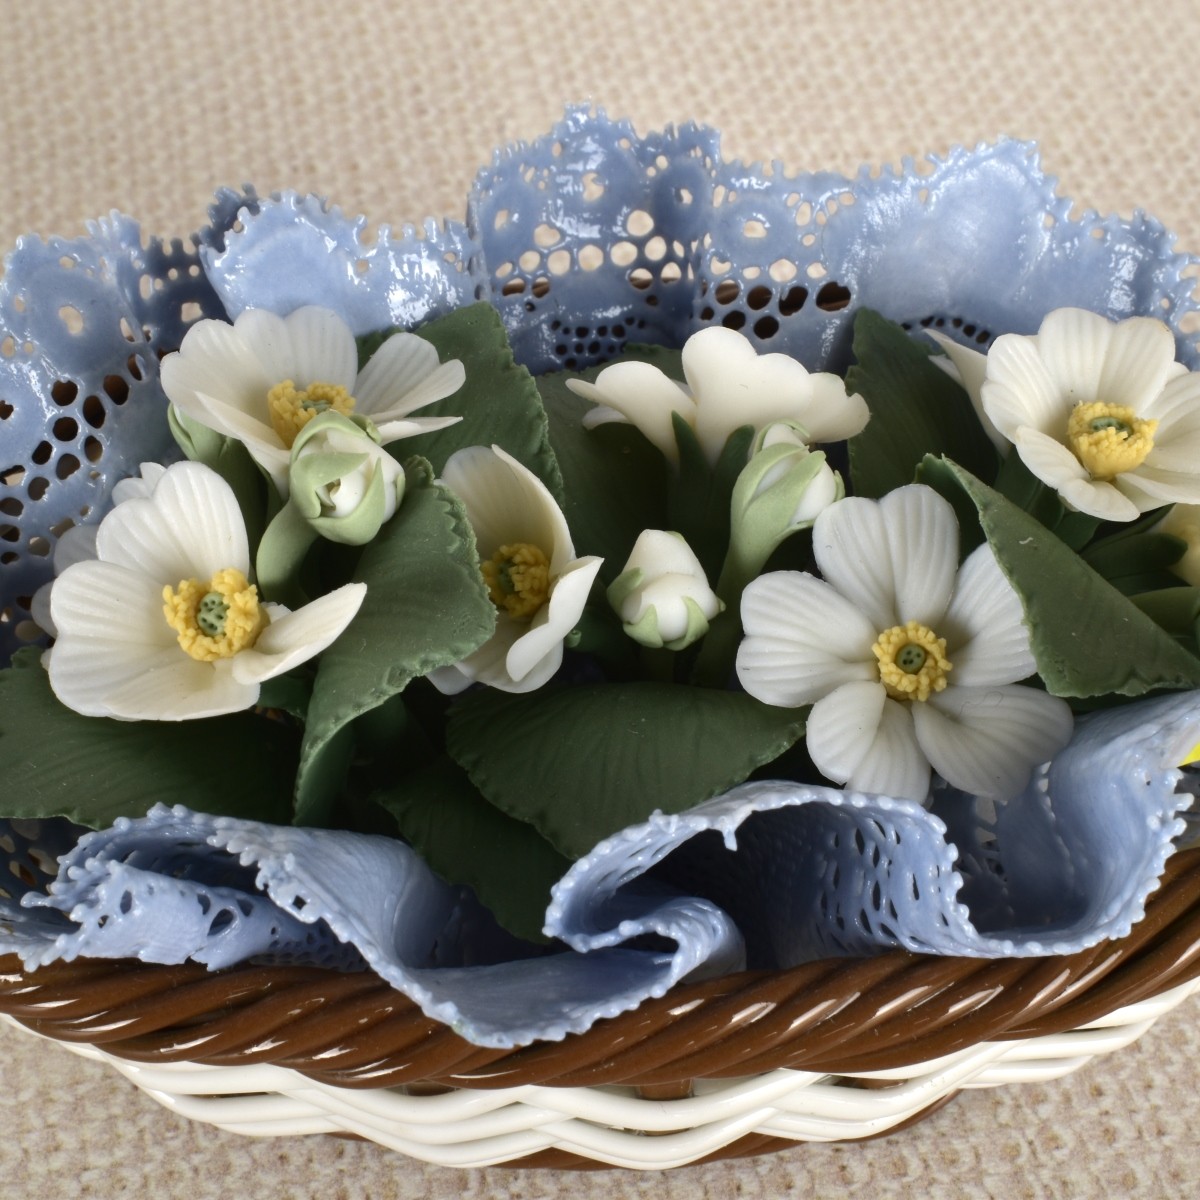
(535, 656)
(485, 665)
(507, 503)
(298, 636)
(259, 438)
(406, 427)
(895, 765)
(1019, 390)
(850, 544)
(214, 359)
(140, 486)
(733, 385)
(832, 414)
(803, 640)
(1103, 500)
(190, 529)
(986, 637)
(94, 599)
(922, 540)
(310, 345)
(183, 690)
(645, 397)
(405, 374)
(1176, 408)
(1140, 357)
(986, 741)
(857, 736)
(99, 677)
(1158, 485)
(1047, 458)
(969, 367)
(1073, 344)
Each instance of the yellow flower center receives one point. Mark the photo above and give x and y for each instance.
(518, 579)
(1108, 438)
(912, 661)
(290, 409)
(215, 619)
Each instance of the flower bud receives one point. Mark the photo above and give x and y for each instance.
(782, 489)
(342, 481)
(662, 596)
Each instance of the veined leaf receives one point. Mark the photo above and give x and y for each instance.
(56, 763)
(465, 839)
(916, 409)
(425, 607)
(582, 763)
(1088, 639)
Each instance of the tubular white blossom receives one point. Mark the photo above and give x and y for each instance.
(729, 384)
(509, 507)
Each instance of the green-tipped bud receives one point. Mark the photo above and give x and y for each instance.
(662, 596)
(342, 481)
(782, 489)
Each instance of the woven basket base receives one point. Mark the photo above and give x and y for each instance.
(615, 1126)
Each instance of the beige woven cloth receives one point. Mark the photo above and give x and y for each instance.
(388, 107)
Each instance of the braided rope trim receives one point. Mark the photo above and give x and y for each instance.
(836, 1016)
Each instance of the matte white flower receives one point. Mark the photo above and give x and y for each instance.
(1098, 410)
(729, 384)
(538, 585)
(906, 659)
(261, 379)
(163, 625)
(662, 594)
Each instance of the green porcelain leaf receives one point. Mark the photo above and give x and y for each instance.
(56, 763)
(465, 839)
(425, 607)
(916, 409)
(1088, 639)
(582, 763)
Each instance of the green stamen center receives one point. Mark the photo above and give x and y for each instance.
(211, 614)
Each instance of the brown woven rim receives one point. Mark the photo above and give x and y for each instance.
(834, 1017)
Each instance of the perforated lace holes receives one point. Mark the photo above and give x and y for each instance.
(93, 412)
(758, 297)
(782, 270)
(530, 260)
(93, 449)
(591, 257)
(72, 318)
(833, 297)
(513, 287)
(546, 235)
(754, 228)
(623, 254)
(116, 388)
(6, 410)
(593, 187)
(559, 262)
(65, 429)
(656, 248)
(640, 278)
(671, 273)
(639, 223)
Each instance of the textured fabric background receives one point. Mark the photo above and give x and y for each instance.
(388, 107)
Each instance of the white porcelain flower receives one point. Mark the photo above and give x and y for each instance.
(538, 585)
(78, 544)
(163, 625)
(261, 379)
(907, 659)
(729, 384)
(1098, 410)
(662, 594)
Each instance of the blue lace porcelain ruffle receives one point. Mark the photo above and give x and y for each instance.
(768, 875)
(584, 240)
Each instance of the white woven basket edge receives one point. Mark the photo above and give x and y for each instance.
(609, 1125)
